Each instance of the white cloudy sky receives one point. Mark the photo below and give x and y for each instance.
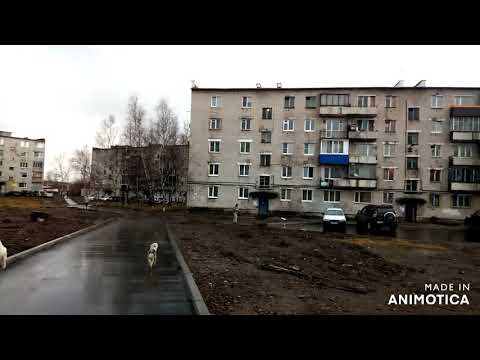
(61, 93)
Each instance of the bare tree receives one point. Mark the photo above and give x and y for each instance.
(184, 137)
(81, 163)
(134, 132)
(107, 134)
(61, 171)
(164, 126)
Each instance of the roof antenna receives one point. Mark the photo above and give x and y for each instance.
(399, 83)
(421, 83)
(194, 84)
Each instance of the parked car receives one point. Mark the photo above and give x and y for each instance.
(46, 194)
(106, 198)
(36, 193)
(376, 218)
(472, 227)
(334, 218)
(13, 193)
(90, 198)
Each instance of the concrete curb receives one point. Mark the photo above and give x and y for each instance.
(199, 305)
(34, 250)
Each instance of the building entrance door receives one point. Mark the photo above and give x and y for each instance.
(411, 212)
(263, 206)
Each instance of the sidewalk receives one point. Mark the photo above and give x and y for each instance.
(73, 204)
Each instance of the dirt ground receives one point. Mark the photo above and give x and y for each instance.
(19, 233)
(252, 268)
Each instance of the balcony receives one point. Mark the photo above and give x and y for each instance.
(362, 135)
(456, 161)
(363, 159)
(340, 111)
(348, 183)
(333, 159)
(264, 182)
(334, 134)
(465, 136)
(464, 186)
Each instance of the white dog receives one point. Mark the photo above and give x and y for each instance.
(3, 256)
(152, 256)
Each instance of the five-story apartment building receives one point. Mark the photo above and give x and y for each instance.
(307, 149)
(21, 163)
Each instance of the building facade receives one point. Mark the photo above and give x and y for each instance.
(21, 163)
(161, 168)
(307, 149)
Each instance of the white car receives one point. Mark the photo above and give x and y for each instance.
(45, 194)
(334, 218)
(106, 198)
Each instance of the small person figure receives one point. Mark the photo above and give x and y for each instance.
(236, 211)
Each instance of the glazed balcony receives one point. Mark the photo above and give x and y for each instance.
(456, 161)
(362, 135)
(363, 159)
(465, 186)
(348, 183)
(340, 111)
(464, 136)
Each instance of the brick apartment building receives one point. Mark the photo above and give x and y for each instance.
(21, 163)
(307, 149)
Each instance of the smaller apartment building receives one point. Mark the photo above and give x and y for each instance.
(305, 149)
(21, 163)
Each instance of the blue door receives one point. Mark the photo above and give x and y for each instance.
(263, 206)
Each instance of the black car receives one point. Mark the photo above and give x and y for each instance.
(472, 227)
(376, 218)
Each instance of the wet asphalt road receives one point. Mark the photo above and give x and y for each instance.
(99, 273)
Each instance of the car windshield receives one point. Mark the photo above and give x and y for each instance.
(334, 212)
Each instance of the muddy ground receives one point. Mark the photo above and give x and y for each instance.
(252, 268)
(19, 233)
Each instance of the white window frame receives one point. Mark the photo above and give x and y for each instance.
(313, 172)
(246, 102)
(40, 145)
(389, 168)
(441, 122)
(2, 142)
(388, 104)
(436, 150)
(217, 122)
(464, 153)
(311, 146)
(245, 141)
(213, 192)
(369, 100)
(434, 101)
(310, 121)
(463, 196)
(413, 107)
(358, 201)
(334, 192)
(432, 203)
(245, 166)
(23, 165)
(461, 97)
(246, 121)
(284, 191)
(260, 159)
(335, 148)
(217, 103)
(291, 171)
(388, 192)
(209, 145)
(288, 122)
(24, 144)
(437, 171)
(241, 193)
(391, 121)
(289, 148)
(307, 191)
(389, 145)
(210, 168)
(328, 176)
(22, 183)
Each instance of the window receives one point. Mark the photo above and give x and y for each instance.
(266, 137)
(288, 125)
(413, 113)
(24, 144)
(331, 196)
(24, 175)
(286, 172)
(11, 168)
(310, 102)
(437, 126)
(40, 145)
(309, 125)
(214, 124)
(264, 181)
(364, 149)
(38, 154)
(334, 100)
(390, 101)
(434, 175)
(411, 185)
(332, 146)
(362, 197)
(22, 185)
(215, 101)
(365, 125)
(461, 200)
(2, 142)
(287, 149)
(307, 195)
(38, 164)
(243, 193)
(388, 174)
(390, 126)
(289, 102)
(366, 101)
(434, 200)
(465, 174)
(23, 164)
(267, 113)
(389, 149)
(437, 101)
(214, 146)
(362, 171)
(436, 150)
(265, 159)
(246, 124)
(332, 172)
(244, 170)
(23, 154)
(213, 169)
(308, 172)
(466, 123)
(412, 138)
(334, 128)
(213, 192)
(462, 150)
(412, 163)
(244, 147)
(246, 102)
(308, 149)
(463, 100)
(285, 194)
(388, 197)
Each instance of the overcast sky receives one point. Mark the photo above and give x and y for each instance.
(61, 93)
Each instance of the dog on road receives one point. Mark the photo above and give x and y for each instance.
(152, 256)
(3, 256)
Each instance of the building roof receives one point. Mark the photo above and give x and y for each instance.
(339, 88)
(3, 134)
